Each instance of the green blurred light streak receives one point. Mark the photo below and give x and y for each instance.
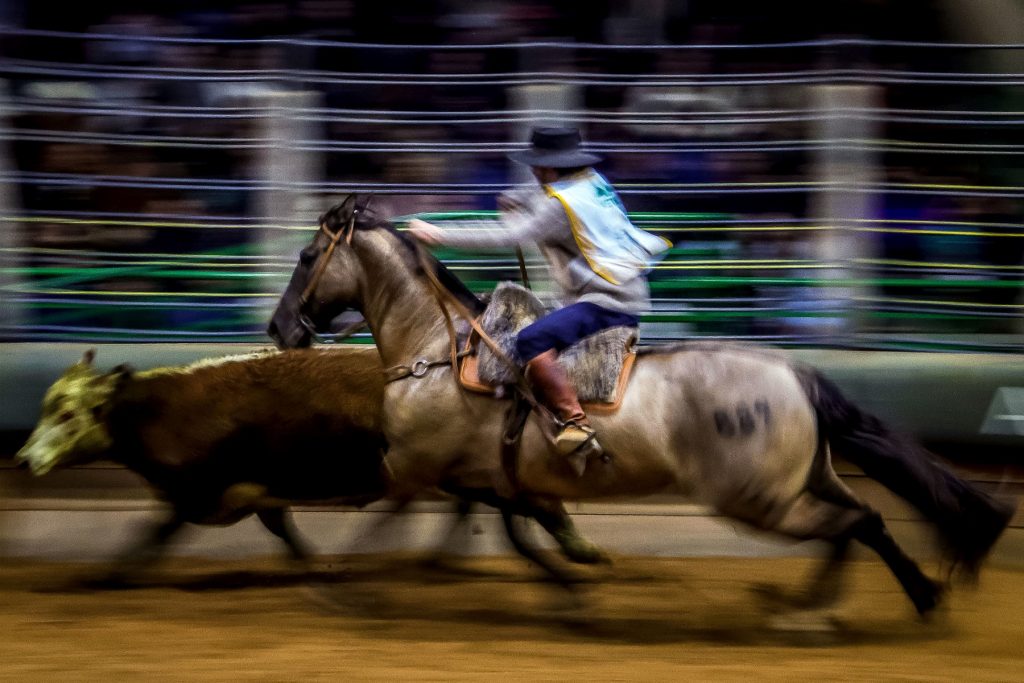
(726, 281)
(225, 317)
(78, 275)
(72, 275)
(106, 273)
(713, 316)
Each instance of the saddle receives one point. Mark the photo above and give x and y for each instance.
(599, 366)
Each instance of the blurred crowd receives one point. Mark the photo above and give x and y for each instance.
(79, 157)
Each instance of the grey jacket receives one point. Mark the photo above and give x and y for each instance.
(542, 220)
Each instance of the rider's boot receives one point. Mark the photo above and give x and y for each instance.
(575, 437)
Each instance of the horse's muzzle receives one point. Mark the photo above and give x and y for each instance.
(297, 338)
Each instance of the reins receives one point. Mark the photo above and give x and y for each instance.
(522, 268)
(325, 259)
(523, 399)
(445, 299)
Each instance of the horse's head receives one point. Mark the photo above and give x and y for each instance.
(72, 427)
(326, 280)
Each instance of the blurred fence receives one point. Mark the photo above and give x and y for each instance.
(844, 193)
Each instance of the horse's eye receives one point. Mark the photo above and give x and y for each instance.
(66, 416)
(307, 256)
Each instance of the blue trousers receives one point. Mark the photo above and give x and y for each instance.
(564, 327)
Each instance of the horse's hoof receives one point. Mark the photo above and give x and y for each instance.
(927, 599)
(586, 553)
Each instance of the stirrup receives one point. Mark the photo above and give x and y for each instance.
(590, 447)
(563, 427)
(577, 458)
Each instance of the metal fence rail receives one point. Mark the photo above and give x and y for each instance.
(165, 200)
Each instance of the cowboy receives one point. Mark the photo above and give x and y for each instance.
(596, 256)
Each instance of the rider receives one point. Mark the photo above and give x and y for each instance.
(596, 256)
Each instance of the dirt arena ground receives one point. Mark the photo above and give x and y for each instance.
(387, 617)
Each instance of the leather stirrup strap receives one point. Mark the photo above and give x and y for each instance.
(512, 437)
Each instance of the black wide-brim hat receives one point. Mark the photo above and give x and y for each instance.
(555, 148)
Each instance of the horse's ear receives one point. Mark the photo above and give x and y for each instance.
(89, 356)
(333, 218)
(365, 205)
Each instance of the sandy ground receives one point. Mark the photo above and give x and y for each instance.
(388, 617)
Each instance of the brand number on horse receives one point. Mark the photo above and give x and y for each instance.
(743, 419)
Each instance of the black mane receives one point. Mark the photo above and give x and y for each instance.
(337, 217)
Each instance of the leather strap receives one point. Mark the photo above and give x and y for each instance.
(522, 268)
(512, 437)
(419, 368)
(444, 299)
(325, 258)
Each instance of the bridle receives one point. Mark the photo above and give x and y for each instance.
(444, 299)
(318, 272)
(524, 399)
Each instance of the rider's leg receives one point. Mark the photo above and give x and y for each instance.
(539, 344)
(552, 384)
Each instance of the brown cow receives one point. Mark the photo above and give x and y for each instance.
(225, 438)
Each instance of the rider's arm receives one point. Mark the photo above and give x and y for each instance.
(545, 223)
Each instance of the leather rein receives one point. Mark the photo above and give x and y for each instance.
(444, 299)
(524, 400)
(441, 294)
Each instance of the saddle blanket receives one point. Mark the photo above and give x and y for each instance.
(598, 365)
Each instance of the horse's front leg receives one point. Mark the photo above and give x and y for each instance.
(407, 474)
(550, 513)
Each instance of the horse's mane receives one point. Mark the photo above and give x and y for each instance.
(335, 218)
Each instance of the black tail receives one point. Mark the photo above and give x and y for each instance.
(968, 520)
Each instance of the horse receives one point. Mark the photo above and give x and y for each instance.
(225, 438)
(741, 429)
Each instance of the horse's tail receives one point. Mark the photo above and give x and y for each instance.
(969, 521)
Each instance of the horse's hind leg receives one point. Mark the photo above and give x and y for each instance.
(811, 517)
(923, 592)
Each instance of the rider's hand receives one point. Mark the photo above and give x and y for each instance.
(506, 203)
(425, 232)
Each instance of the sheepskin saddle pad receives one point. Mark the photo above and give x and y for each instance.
(594, 364)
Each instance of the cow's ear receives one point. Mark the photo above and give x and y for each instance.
(122, 372)
(116, 377)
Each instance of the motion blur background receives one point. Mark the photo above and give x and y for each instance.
(842, 174)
